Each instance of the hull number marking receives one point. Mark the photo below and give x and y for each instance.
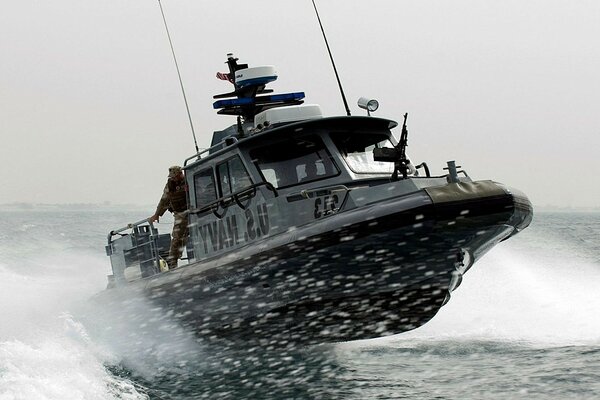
(326, 205)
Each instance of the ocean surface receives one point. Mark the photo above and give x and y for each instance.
(525, 323)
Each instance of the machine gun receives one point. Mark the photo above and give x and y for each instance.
(397, 154)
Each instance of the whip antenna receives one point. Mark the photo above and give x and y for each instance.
(332, 62)
(179, 75)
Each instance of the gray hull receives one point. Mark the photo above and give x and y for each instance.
(370, 272)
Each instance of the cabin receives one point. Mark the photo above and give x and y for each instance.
(281, 167)
(280, 177)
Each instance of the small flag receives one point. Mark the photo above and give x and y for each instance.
(224, 77)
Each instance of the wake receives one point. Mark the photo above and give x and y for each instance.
(533, 296)
(44, 352)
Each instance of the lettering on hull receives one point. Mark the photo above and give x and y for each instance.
(235, 229)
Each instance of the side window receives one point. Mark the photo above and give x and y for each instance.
(223, 173)
(233, 176)
(204, 187)
(238, 174)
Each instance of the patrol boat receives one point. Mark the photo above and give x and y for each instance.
(312, 229)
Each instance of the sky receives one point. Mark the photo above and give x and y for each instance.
(91, 109)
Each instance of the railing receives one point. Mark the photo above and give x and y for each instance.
(459, 172)
(197, 156)
(131, 226)
(425, 167)
(219, 146)
(236, 197)
(152, 241)
(308, 193)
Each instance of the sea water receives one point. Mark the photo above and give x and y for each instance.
(525, 323)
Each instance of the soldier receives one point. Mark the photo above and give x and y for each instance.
(174, 199)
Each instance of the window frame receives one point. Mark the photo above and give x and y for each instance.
(328, 156)
(387, 135)
(226, 163)
(199, 173)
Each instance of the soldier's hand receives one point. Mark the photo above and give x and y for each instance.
(154, 218)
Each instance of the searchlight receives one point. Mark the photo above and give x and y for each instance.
(370, 105)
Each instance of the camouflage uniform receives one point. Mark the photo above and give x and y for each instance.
(174, 199)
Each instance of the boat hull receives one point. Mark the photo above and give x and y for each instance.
(379, 270)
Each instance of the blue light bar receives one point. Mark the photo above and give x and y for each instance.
(287, 96)
(233, 102)
(244, 101)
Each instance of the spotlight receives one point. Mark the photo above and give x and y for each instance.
(368, 104)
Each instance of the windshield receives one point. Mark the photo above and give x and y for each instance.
(294, 161)
(357, 150)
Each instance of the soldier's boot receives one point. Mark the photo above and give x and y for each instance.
(172, 263)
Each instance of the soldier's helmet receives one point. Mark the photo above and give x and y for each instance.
(174, 171)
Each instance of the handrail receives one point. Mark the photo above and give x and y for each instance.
(424, 166)
(152, 237)
(307, 192)
(198, 155)
(130, 226)
(219, 146)
(460, 172)
(242, 193)
(233, 198)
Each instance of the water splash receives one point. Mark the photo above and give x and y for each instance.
(44, 352)
(535, 297)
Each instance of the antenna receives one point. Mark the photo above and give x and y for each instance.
(332, 62)
(179, 75)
